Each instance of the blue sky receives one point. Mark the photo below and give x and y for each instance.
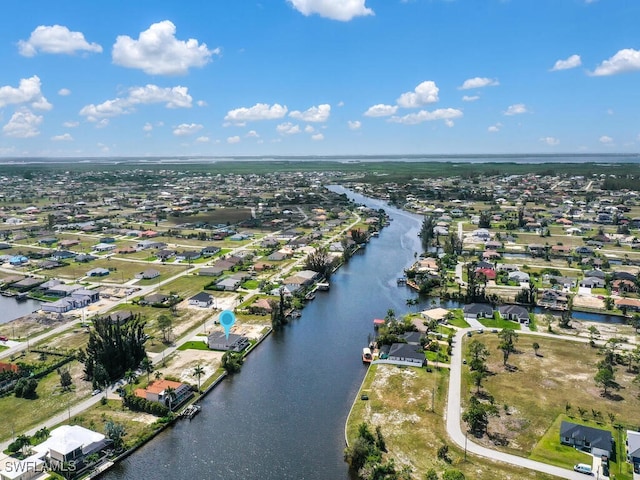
(319, 77)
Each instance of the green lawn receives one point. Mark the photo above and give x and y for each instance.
(194, 345)
(458, 319)
(500, 323)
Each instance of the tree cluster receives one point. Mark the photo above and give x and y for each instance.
(26, 388)
(320, 261)
(112, 350)
(232, 362)
(139, 404)
(365, 457)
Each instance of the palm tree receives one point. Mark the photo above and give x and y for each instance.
(170, 395)
(147, 366)
(198, 371)
(130, 376)
(158, 375)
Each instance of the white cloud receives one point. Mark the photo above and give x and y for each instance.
(260, 111)
(341, 103)
(626, 60)
(342, 10)
(423, 94)
(425, 116)
(65, 137)
(70, 124)
(314, 114)
(479, 82)
(203, 139)
(610, 111)
(354, 125)
(103, 123)
(235, 139)
(147, 127)
(201, 103)
(516, 109)
(551, 141)
(495, 128)
(381, 110)
(185, 129)
(158, 52)
(288, 128)
(605, 139)
(23, 124)
(449, 123)
(64, 92)
(175, 97)
(55, 39)
(317, 137)
(572, 62)
(28, 91)
(309, 129)
(252, 134)
(470, 98)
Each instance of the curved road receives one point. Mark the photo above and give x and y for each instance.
(454, 430)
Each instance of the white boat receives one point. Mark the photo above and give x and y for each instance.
(366, 355)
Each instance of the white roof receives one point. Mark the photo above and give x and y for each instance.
(66, 438)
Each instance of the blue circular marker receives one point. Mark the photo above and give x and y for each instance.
(227, 319)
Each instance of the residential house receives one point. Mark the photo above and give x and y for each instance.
(632, 304)
(595, 273)
(406, 354)
(515, 313)
(478, 310)
(438, 314)
(156, 298)
(622, 285)
(187, 256)
(84, 258)
(633, 449)
(157, 392)
(234, 343)
(98, 272)
(592, 282)
(209, 251)
(596, 441)
(201, 299)
(120, 317)
(70, 443)
(260, 307)
(214, 271)
(62, 255)
(412, 338)
(229, 284)
(553, 299)
(278, 256)
(104, 247)
(148, 274)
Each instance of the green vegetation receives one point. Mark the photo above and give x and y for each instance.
(194, 345)
(402, 401)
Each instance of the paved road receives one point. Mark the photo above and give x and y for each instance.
(454, 430)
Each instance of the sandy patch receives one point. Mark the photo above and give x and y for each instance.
(183, 362)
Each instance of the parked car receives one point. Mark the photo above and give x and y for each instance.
(97, 391)
(583, 468)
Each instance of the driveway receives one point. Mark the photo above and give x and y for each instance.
(454, 429)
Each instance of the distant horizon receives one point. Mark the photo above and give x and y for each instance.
(470, 158)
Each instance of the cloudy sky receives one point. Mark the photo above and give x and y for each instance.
(319, 77)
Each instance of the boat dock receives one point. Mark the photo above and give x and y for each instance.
(191, 411)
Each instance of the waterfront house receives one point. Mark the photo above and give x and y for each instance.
(219, 341)
(515, 313)
(477, 310)
(633, 449)
(260, 307)
(201, 299)
(403, 352)
(632, 304)
(157, 392)
(553, 299)
(596, 441)
(519, 277)
(70, 443)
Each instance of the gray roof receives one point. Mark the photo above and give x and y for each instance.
(475, 308)
(597, 437)
(405, 350)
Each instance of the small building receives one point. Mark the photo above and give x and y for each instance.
(633, 449)
(70, 443)
(596, 441)
(478, 310)
(209, 251)
(201, 299)
(219, 341)
(120, 317)
(515, 313)
(98, 272)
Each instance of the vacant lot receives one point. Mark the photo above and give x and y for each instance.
(539, 388)
(400, 401)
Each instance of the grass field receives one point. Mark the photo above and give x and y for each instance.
(20, 414)
(400, 401)
(194, 345)
(539, 388)
(123, 272)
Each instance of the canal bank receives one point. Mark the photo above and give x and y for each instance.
(283, 416)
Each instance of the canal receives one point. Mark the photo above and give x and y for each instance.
(283, 416)
(10, 308)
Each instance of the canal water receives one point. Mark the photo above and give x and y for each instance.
(10, 308)
(282, 417)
